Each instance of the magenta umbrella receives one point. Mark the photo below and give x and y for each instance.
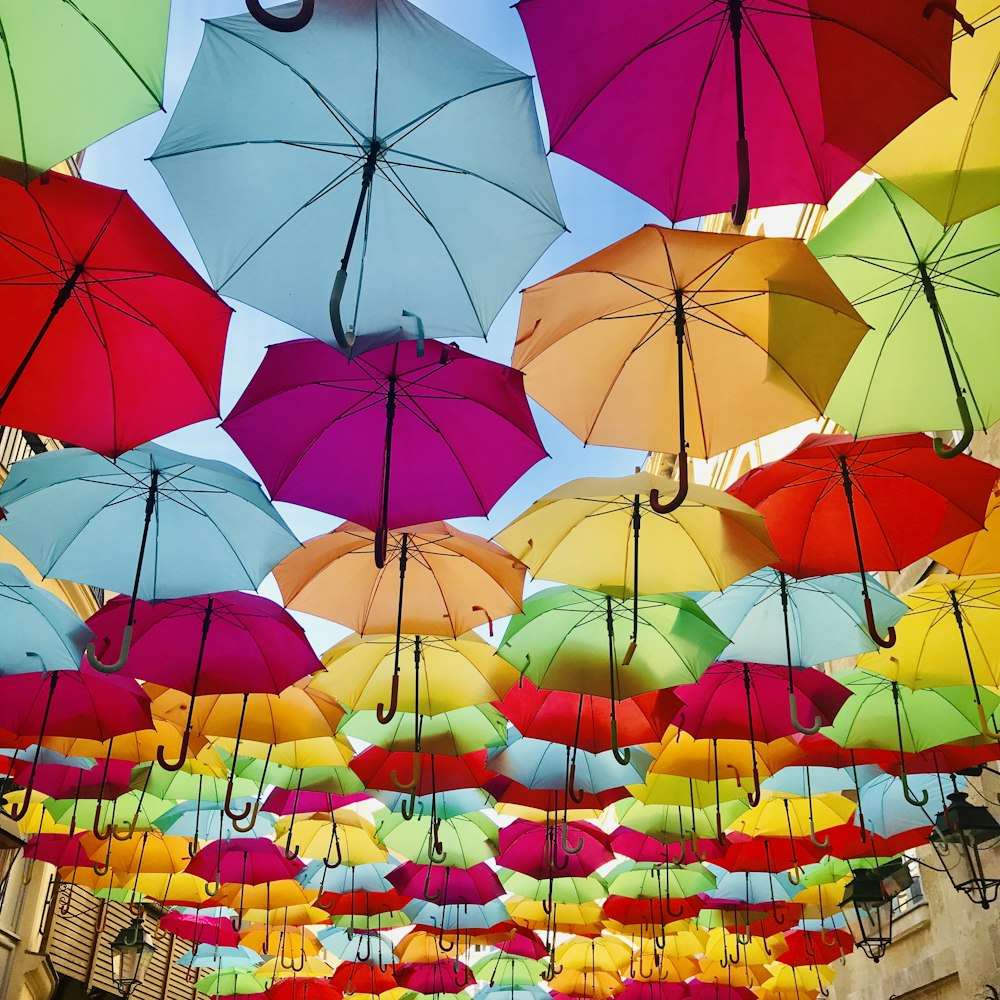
(107, 779)
(442, 885)
(430, 978)
(534, 849)
(218, 931)
(289, 801)
(246, 861)
(654, 95)
(399, 435)
(80, 703)
(697, 990)
(756, 702)
(641, 847)
(641, 989)
(64, 850)
(223, 643)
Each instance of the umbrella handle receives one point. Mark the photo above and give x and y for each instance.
(408, 806)
(910, 796)
(952, 11)
(178, 764)
(345, 338)
(100, 868)
(213, 888)
(251, 820)
(385, 717)
(128, 831)
(296, 22)
(682, 488)
(739, 212)
(410, 786)
(943, 450)
(696, 851)
(381, 545)
(890, 637)
(111, 668)
(793, 711)
(575, 794)
(565, 844)
(984, 725)
(822, 842)
(794, 875)
(623, 756)
(340, 854)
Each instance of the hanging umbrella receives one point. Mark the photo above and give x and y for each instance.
(370, 948)
(437, 580)
(579, 533)
(887, 804)
(457, 732)
(947, 159)
(458, 842)
(924, 288)
(883, 714)
(230, 983)
(722, 317)
(153, 523)
(725, 73)
(501, 971)
(975, 554)
(242, 862)
(405, 137)
(437, 884)
(221, 643)
(890, 494)
(98, 299)
(216, 931)
(538, 850)
(410, 417)
(209, 956)
(812, 947)
(74, 75)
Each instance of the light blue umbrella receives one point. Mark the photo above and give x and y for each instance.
(755, 888)
(206, 956)
(888, 811)
(37, 630)
(807, 781)
(44, 755)
(375, 136)
(825, 617)
(367, 947)
(153, 523)
(512, 993)
(452, 917)
(370, 877)
(540, 764)
(455, 802)
(208, 821)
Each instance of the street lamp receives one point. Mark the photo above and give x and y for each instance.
(130, 957)
(961, 836)
(870, 914)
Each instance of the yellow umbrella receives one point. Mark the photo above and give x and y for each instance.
(542, 815)
(780, 815)
(142, 852)
(318, 751)
(281, 943)
(803, 977)
(452, 581)
(722, 945)
(448, 673)
(568, 917)
(682, 341)
(304, 967)
(298, 915)
(680, 753)
(586, 534)
(602, 954)
(977, 554)
(343, 842)
(669, 789)
(180, 888)
(732, 974)
(948, 160)
(821, 899)
(653, 964)
(274, 896)
(137, 746)
(587, 985)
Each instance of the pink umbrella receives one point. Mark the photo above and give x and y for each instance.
(63, 850)
(249, 861)
(216, 931)
(435, 977)
(655, 98)
(641, 847)
(80, 703)
(105, 780)
(224, 643)
(755, 701)
(535, 850)
(288, 801)
(438, 884)
(640, 989)
(525, 944)
(697, 990)
(390, 422)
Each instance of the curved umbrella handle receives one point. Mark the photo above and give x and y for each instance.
(822, 936)
(822, 842)
(952, 11)
(330, 865)
(754, 797)
(565, 844)
(670, 913)
(98, 833)
(794, 875)
(682, 489)
(890, 637)
(409, 805)
(576, 795)
(793, 711)
(910, 796)
(228, 803)
(984, 724)
(213, 888)
(345, 338)
(129, 830)
(296, 22)
(111, 668)
(739, 211)
(411, 785)
(696, 851)
(943, 450)
(383, 716)
(381, 545)
(100, 868)
(623, 756)
(251, 820)
(452, 945)
(174, 765)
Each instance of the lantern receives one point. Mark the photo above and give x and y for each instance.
(962, 836)
(130, 957)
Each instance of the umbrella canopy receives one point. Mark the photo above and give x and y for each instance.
(436, 580)
(541, 764)
(404, 134)
(75, 74)
(390, 420)
(717, 317)
(725, 73)
(97, 300)
(947, 159)
(457, 732)
(975, 554)
(925, 289)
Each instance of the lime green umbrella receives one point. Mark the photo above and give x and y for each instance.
(646, 880)
(832, 869)
(458, 842)
(231, 982)
(99, 814)
(374, 922)
(178, 785)
(568, 889)
(931, 294)
(73, 73)
(497, 968)
(670, 824)
(460, 731)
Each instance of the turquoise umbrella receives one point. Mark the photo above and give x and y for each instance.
(369, 948)
(153, 523)
(374, 135)
(206, 956)
(887, 809)
(458, 802)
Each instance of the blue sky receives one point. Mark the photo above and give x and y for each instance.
(596, 211)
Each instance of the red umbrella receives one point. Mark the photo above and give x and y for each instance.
(756, 702)
(432, 978)
(937, 760)
(216, 931)
(354, 977)
(584, 721)
(438, 884)
(627, 910)
(538, 850)
(783, 81)
(80, 703)
(379, 768)
(552, 800)
(390, 421)
(367, 904)
(294, 988)
(890, 495)
(769, 854)
(815, 947)
(110, 337)
(63, 850)
(851, 841)
(642, 847)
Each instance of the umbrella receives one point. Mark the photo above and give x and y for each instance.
(446, 581)
(210, 956)
(74, 75)
(745, 701)
(221, 643)
(98, 299)
(888, 808)
(409, 416)
(589, 533)
(730, 72)
(196, 525)
(947, 160)
(405, 137)
(975, 554)
(537, 850)
(890, 494)
(37, 630)
(459, 842)
(457, 732)
(230, 983)
(722, 316)
(437, 884)
(925, 289)
(949, 620)
(371, 948)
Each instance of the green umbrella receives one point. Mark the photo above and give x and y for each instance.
(645, 880)
(375, 922)
(501, 969)
(463, 841)
(932, 296)
(569, 889)
(883, 714)
(458, 732)
(75, 71)
(670, 824)
(834, 869)
(180, 785)
(231, 982)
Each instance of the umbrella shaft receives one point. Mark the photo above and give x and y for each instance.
(367, 173)
(154, 479)
(736, 30)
